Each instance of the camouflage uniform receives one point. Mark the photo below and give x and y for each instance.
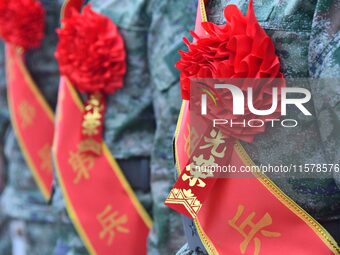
(170, 21)
(147, 105)
(4, 237)
(32, 225)
(306, 37)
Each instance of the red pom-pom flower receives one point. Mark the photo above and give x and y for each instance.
(91, 52)
(91, 55)
(22, 22)
(238, 49)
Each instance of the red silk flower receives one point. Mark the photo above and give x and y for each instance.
(238, 49)
(22, 22)
(91, 52)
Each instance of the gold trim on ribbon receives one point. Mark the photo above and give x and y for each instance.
(203, 11)
(178, 127)
(62, 10)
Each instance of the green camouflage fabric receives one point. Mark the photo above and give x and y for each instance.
(3, 113)
(5, 246)
(31, 226)
(306, 37)
(170, 21)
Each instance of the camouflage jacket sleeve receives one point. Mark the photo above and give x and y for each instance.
(3, 100)
(4, 116)
(169, 22)
(129, 121)
(324, 64)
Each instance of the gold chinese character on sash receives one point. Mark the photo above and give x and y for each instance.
(46, 158)
(254, 229)
(91, 122)
(111, 223)
(202, 162)
(191, 140)
(26, 113)
(90, 145)
(199, 169)
(215, 140)
(81, 164)
(93, 115)
(193, 180)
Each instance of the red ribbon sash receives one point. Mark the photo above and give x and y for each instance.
(99, 200)
(32, 120)
(250, 215)
(198, 190)
(242, 216)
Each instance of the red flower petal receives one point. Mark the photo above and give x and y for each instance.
(238, 49)
(22, 22)
(91, 52)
